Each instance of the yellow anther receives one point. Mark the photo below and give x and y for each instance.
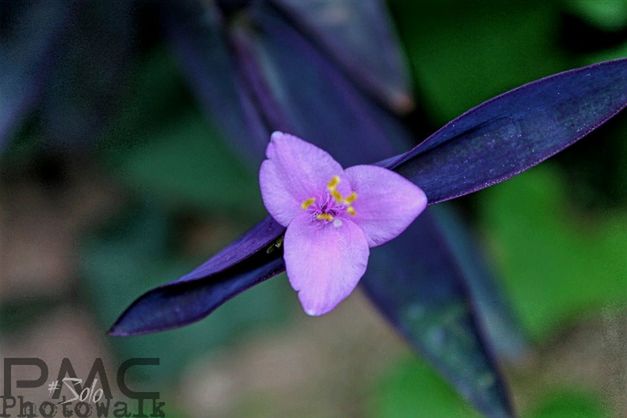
(324, 217)
(337, 196)
(351, 211)
(335, 180)
(308, 202)
(351, 198)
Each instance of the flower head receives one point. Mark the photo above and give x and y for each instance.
(333, 216)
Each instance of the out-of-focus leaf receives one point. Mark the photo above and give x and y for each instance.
(410, 389)
(30, 33)
(360, 37)
(132, 253)
(569, 404)
(394, 395)
(495, 313)
(547, 260)
(185, 162)
(162, 147)
(607, 55)
(301, 91)
(465, 52)
(418, 282)
(85, 88)
(608, 14)
(196, 34)
(596, 169)
(156, 96)
(515, 131)
(18, 314)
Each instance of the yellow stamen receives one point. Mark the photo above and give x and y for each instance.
(337, 196)
(308, 202)
(351, 198)
(324, 217)
(332, 185)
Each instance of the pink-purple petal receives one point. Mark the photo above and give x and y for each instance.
(386, 204)
(307, 168)
(280, 203)
(294, 172)
(324, 262)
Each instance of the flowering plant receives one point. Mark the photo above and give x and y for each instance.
(486, 145)
(330, 73)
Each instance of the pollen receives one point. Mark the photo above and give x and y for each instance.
(308, 203)
(346, 202)
(337, 196)
(351, 198)
(332, 185)
(324, 217)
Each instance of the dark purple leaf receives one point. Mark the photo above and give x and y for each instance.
(515, 131)
(359, 36)
(201, 47)
(420, 286)
(30, 32)
(496, 317)
(299, 90)
(261, 237)
(255, 257)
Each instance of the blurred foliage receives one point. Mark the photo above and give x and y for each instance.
(569, 404)
(412, 389)
(19, 313)
(482, 49)
(207, 175)
(608, 14)
(559, 265)
(179, 160)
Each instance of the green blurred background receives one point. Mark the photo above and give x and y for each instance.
(83, 236)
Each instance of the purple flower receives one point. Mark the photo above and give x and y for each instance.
(333, 216)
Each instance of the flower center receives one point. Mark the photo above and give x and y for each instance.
(334, 204)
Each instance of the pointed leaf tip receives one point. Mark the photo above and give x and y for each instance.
(253, 258)
(515, 131)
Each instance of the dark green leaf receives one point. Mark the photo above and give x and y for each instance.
(546, 261)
